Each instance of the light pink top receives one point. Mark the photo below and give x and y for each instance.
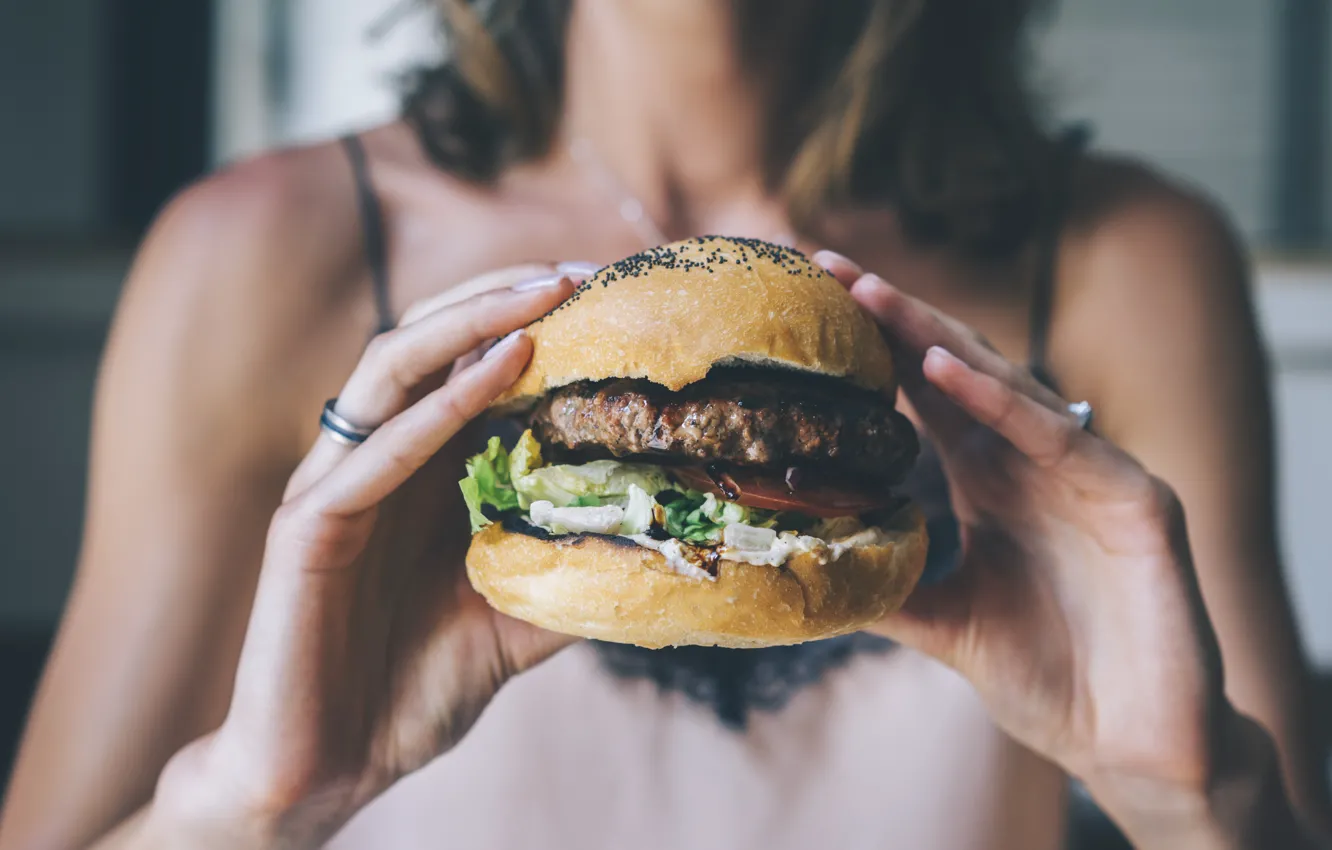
(891, 751)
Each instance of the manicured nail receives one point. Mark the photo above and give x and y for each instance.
(941, 356)
(580, 268)
(504, 344)
(829, 259)
(546, 282)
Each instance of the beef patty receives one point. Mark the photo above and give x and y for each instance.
(776, 421)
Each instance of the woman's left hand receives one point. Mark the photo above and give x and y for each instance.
(1075, 611)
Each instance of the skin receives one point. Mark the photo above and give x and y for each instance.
(249, 306)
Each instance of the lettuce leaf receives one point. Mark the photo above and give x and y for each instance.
(499, 481)
(588, 485)
(686, 521)
(488, 483)
(701, 518)
(471, 491)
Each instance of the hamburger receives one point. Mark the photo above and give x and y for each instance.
(710, 459)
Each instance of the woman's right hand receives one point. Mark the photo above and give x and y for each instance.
(368, 654)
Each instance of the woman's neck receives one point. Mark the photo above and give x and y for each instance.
(656, 89)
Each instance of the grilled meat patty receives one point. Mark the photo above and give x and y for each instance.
(776, 421)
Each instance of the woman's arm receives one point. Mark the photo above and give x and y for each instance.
(1156, 328)
(191, 448)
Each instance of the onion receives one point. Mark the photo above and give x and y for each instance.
(793, 477)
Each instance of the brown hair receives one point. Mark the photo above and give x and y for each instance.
(919, 104)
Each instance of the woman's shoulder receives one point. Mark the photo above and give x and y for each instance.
(1138, 240)
(276, 232)
(1150, 271)
(253, 282)
(284, 230)
(250, 285)
(1127, 219)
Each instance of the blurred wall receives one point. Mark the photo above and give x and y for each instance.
(1189, 83)
(49, 112)
(293, 71)
(104, 110)
(55, 301)
(1295, 305)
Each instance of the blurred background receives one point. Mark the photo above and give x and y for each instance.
(107, 106)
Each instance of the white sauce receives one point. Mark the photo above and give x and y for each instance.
(673, 551)
(783, 546)
(780, 547)
(868, 537)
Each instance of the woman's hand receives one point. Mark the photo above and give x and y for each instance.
(368, 654)
(1075, 611)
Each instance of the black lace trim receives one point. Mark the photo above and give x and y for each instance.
(732, 683)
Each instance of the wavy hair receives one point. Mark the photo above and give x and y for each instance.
(922, 105)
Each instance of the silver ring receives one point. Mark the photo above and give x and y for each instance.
(339, 429)
(1082, 411)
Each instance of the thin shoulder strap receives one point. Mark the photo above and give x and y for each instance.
(1069, 146)
(1042, 305)
(372, 230)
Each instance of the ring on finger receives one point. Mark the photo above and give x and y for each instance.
(339, 429)
(1082, 412)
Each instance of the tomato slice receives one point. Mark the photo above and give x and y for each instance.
(770, 492)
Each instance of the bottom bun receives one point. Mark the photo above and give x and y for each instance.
(597, 587)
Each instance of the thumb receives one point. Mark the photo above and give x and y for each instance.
(524, 645)
(935, 620)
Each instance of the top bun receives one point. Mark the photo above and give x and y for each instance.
(670, 314)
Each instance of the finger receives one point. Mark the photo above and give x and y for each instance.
(403, 445)
(1047, 437)
(946, 423)
(933, 620)
(504, 278)
(396, 363)
(382, 384)
(469, 359)
(323, 456)
(846, 271)
(578, 269)
(913, 327)
(896, 313)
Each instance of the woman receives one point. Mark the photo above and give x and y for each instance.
(894, 132)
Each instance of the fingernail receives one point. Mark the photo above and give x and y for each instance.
(504, 344)
(870, 280)
(578, 267)
(547, 282)
(941, 355)
(828, 259)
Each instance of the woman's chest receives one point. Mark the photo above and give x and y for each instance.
(438, 247)
(890, 751)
